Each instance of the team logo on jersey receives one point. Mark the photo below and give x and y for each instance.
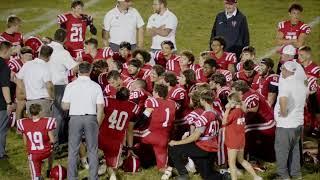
(234, 23)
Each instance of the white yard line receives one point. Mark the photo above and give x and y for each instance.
(314, 22)
(53, 22)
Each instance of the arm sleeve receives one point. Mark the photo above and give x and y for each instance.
(213, 33)
(69, 63)
(140, 21)
(66, 95)
(150, 24)
(107, 22)
(172, 23)
(100, 99)
(5, 77)
(246, 38)
(51, 124)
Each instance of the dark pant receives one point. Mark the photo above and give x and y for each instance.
(202, 159)
(61, 116)
(288, 151)
(4, 121)
(116, 47)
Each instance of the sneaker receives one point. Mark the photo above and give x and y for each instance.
(113, 177)
(167, 174)
(190, 166)
(102, 169)
(84, 164)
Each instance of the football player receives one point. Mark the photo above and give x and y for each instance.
(117, 128)
(75, 23)
(39, 138)
(143, 56)
(248, 74)
(267, 81)
(166, 57)
(225, 60)
(293, 31)
(13, 35)
(218, 83)
(260, 123)
(248, 53)
(92, 53)
(160, 114)
(187, 61)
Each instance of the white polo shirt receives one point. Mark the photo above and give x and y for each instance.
(170, 21)
(296, 92)
(83, 94)
(122, 26)
(35, 74)
(60, 63)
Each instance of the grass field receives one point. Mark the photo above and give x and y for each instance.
(195, 22)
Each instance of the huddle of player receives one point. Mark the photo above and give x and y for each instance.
(176, 108)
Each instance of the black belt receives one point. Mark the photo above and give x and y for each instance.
(85, 115)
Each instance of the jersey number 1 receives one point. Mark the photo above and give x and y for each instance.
(118, 120)
(76, 34)
(165, 124)
(36, 140)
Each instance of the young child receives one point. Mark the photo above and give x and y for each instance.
(234, 122)
(39, 138)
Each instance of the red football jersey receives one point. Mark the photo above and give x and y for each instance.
(139, 96)
(15, 38)
(102, 53)
(226, 59)
(312, 70)
(235, 129)
(239, 67)
(163, 115)
(265, 85)
(208, 140)
(38, 141)
(110, 91)
(293, 31)
(15, 65)
(227, 74)
(102, 80)
(193, 116)
(223, 94)
(117, 57)
(194, 67)
(261, 120)
(118, 114)
(200, 75)
(76, 28)
(161, 60)
(242, 76)
(312, 84)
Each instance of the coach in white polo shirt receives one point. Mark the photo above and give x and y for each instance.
(162, 25)
(35, 79)
(60, 64)
(121, 24)
(84, 100)
(289, 116)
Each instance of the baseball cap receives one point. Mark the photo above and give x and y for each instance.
(124, 0)
(290, 66)
(289, 50)
(230, 1)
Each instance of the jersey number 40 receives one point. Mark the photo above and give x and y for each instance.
(118, 120)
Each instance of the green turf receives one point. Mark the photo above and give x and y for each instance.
(195, 22)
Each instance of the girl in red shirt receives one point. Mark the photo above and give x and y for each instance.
(234, 122)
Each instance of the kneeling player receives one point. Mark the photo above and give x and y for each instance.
(38, 135)
(162, 114)
(116, 125)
